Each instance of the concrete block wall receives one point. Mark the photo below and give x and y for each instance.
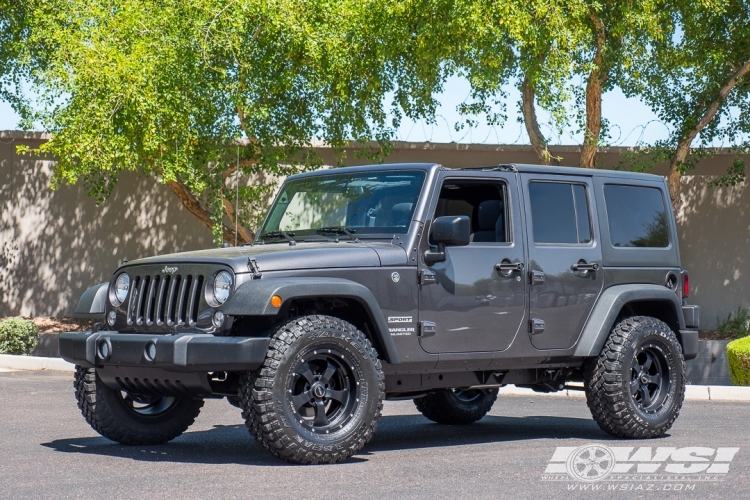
(55, 244)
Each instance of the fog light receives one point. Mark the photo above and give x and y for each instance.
(111, 317)
(150, 351)
(218, 319)
(104, 349)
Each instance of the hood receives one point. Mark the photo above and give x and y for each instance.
(283, 257)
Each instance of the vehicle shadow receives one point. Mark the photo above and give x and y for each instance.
(231, 444)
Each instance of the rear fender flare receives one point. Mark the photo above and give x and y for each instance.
(253, 298)
(608, 307)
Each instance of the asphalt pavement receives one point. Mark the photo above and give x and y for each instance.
(48, 451)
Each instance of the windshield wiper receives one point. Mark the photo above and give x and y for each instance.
(339, 230)
(289, 236)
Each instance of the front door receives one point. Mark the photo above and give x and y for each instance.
(469, 303)
(565, 257)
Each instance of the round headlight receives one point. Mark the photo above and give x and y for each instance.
(222, 287)
(122, 285)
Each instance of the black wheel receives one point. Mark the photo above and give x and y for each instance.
(635, 388)
(318, 396)
(131, 418)
(456, 406)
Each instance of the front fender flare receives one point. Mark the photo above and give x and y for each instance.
(93, 302)
(608, 307)
(253, 298)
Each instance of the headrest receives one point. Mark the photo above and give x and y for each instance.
(403, 209)
(488, 213)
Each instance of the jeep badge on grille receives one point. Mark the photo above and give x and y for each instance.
(169, 270)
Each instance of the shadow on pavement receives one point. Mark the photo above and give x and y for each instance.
(232, 443)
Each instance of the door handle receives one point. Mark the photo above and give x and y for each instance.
(583, 268)
(506, 267)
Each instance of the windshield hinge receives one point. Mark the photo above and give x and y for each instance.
(252, 266)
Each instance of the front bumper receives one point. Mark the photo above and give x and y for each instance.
(187, 352)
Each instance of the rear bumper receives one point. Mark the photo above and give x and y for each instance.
(187, 352)
(689, 340)
(692, 316)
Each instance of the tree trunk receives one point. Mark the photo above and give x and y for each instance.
(683, 147)
(593, 121)
(594, 100)
(191, 203)
(532, 125)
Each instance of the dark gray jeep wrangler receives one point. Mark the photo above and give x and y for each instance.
(406, 281)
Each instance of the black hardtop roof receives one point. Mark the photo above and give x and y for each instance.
(518, 167)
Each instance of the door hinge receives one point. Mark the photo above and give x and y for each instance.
(536, 278)
(536, 326)
(427, 328)
(427, 277)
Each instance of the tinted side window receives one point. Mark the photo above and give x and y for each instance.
(637, 216)
(483, 202)
(559, 213)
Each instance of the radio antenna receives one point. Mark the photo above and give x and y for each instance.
(237, 199)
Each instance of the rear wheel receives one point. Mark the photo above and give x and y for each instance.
(456, 406)
(132, 418)
(635, 388)
(318, 396)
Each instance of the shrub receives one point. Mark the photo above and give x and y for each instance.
(18, 336)
(735, 325)
(738, 356)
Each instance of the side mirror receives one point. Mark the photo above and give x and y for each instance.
(454, 230)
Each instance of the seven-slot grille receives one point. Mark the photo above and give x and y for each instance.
(165, 299)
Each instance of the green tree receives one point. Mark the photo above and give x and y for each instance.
(563, 53)
(195, 92)
(697, 81)
(13, 34)
(531, 43)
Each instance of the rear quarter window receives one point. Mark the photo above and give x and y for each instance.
(638, 216)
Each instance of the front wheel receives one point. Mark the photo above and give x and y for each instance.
(132, 418)
(318, 396)
(635, 388)
(456, 406)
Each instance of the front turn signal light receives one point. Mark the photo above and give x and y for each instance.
(276, 301)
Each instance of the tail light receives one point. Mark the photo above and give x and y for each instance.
(685, 284)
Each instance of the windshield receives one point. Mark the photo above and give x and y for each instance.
(354, 205)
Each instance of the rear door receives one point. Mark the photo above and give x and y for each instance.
(565, 257)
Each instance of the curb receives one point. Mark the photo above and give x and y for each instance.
(692, 392)
(36, 363)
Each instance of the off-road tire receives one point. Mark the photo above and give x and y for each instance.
(108, 414)
(608, 379)
(267, 397)
(456, 407)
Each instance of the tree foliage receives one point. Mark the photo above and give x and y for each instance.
(205, 95)
(698, 81)
(13, 35)
(563, 55)
(196, 92)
